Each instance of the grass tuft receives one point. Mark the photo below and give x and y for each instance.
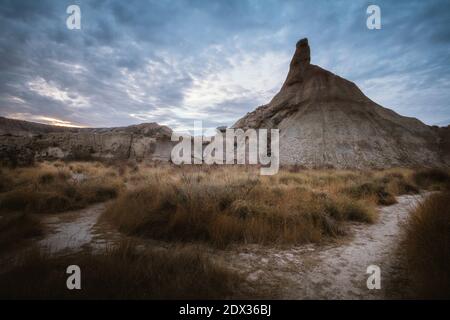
(427, 247)
(57, 187)
(235, 206)
(121, 273)
(435, 179)
(15, 227)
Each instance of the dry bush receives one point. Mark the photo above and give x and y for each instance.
(427, 247)
(383, 186)
(5, 180)
(371, 189)
(434, 179)
(237, 205)
(216, 204)
(121, 273)
(15, 227)
(49, 188)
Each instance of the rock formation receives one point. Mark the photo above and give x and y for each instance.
(22, 142)
(326, 121)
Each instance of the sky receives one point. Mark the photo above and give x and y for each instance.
(175, 62)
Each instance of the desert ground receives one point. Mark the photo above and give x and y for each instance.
(145, 230)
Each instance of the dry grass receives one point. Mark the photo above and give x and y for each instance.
(383, 186)
(218, 205)
(121, 273)
(215, 205)
(432, 179)
(236, 205)
(427, 247)
(16, 227)
(56, 187)
(49, 188)
(223, 205)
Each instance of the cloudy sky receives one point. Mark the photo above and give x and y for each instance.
(177, 61)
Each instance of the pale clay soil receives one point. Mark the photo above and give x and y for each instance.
(335, 270)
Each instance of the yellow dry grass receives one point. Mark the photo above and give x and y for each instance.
(234, 204)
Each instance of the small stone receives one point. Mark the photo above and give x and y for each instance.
(254, 276)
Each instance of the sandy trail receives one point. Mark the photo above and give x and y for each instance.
(334, 271)
(67, 232)
(76, 230)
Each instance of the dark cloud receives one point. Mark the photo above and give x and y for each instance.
(178, 61)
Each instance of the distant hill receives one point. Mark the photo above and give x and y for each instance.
(22, 142)
(27, 128)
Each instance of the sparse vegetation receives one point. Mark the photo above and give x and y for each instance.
(50, 188)
(427, 247)
(383, 186)
(218, 205)
(433, 179)
(376, 189)
(123, 272)
(17, 226)
(225, 205)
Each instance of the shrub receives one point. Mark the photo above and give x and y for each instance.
(16, 227)
(375, 189)
(400, 186)
(427, 247)
(50, 188)
(16, 200)
(5, 181)
(432, 178)
(237, 209)
(46, 178)
(121, 273)
(353, 210)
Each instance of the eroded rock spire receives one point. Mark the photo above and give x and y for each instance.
(300, 61)
(302, 53)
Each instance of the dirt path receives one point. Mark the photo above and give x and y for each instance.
(76, 230)
(66, 232)
(336, 271)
